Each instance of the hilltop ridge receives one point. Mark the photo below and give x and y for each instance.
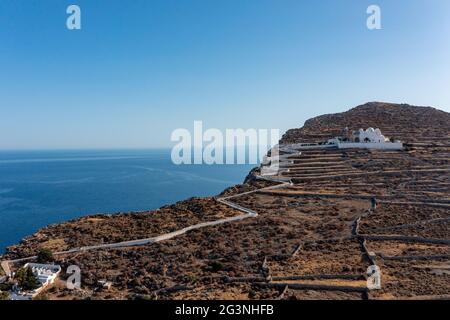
(402, 121)
(313, 238)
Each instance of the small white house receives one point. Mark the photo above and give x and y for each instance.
(46, 274)
(105, 284)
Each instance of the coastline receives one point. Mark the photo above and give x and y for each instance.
(64, 187)
(316, 235)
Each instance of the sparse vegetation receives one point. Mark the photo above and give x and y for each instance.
(4, 295)
(45, 256)
(96, 229)
(5, 286)
(216, 266)
(318, 211)
(26, 279)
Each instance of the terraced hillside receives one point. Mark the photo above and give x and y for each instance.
(313, 237)
(424, 125)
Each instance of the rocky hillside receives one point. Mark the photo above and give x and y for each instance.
(311, 239)
(400, 121)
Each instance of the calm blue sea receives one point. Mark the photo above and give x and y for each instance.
(38, 188)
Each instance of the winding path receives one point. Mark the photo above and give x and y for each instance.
(248, 213)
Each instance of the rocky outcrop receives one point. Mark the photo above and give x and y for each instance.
(399, 121)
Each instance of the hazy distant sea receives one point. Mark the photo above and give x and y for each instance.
(38, 188)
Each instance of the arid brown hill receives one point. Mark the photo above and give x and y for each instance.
(400, 121)
(313, 238)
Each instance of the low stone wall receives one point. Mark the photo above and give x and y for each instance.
(320, 287)
(371, 145)
(300, 146)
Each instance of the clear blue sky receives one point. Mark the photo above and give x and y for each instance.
(139, 69)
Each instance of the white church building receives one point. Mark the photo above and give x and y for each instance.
(371, 135)
(365, 139)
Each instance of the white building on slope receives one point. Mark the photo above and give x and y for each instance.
(366, 139)
(370, 135)
(46, 275)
